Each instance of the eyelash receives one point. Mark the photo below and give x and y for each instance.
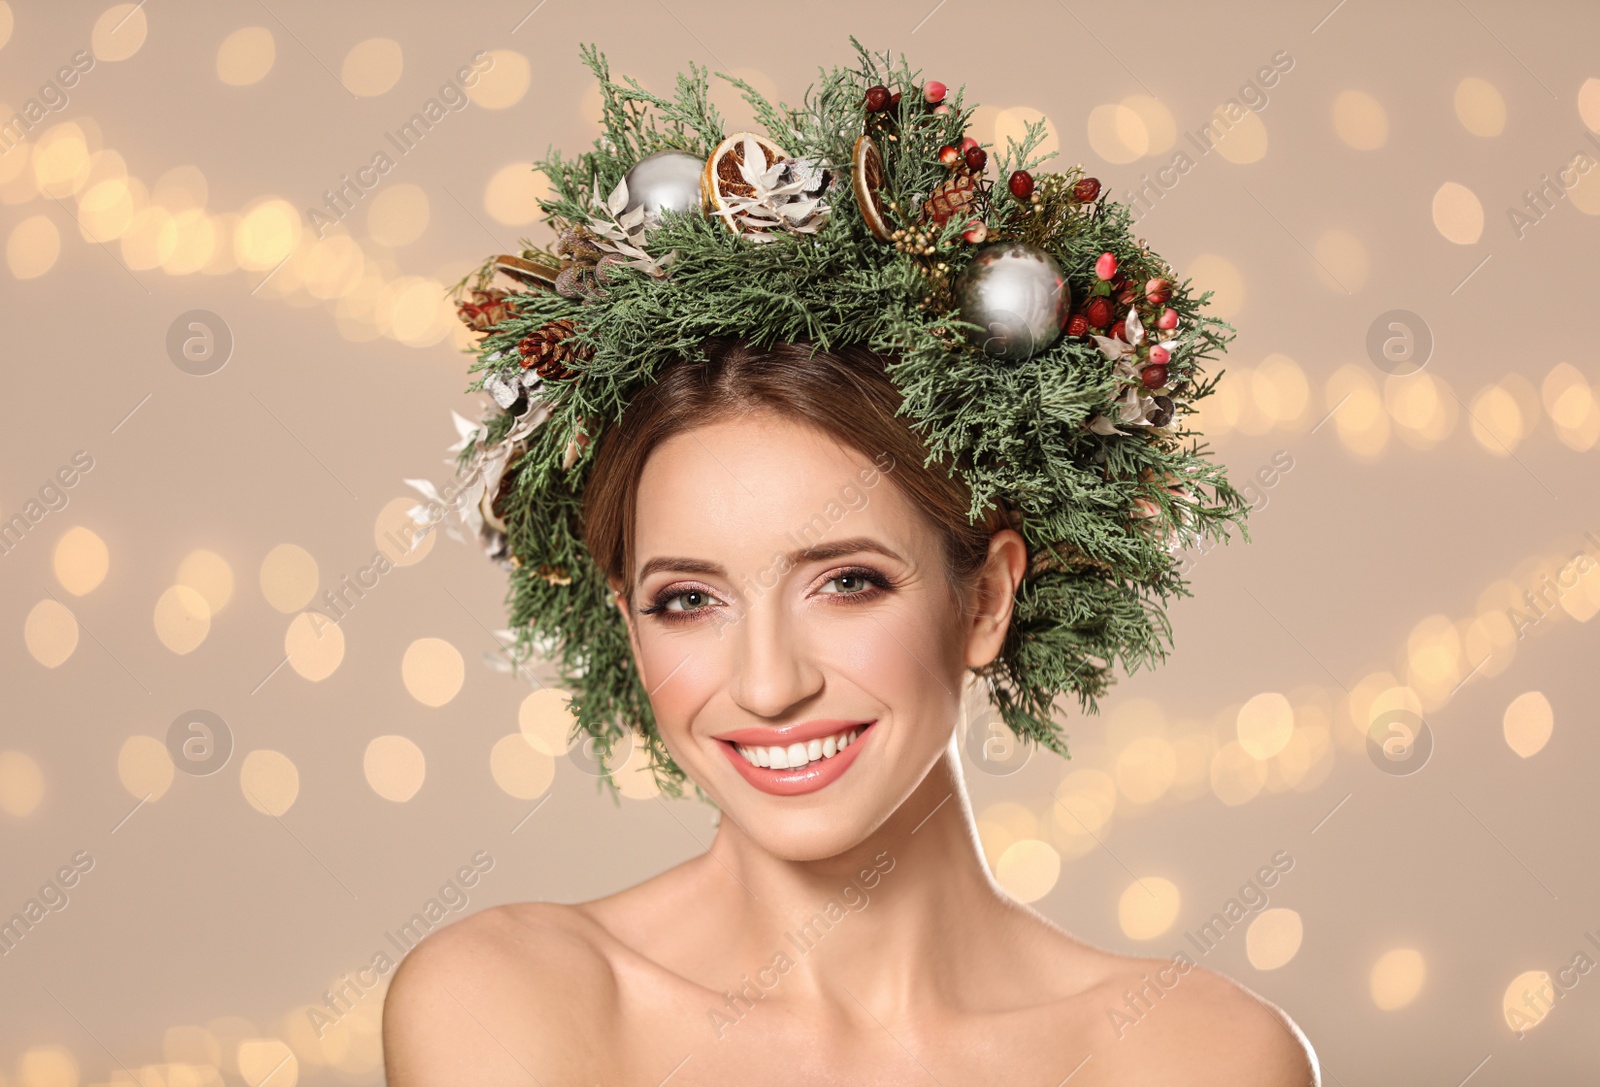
(881, 583)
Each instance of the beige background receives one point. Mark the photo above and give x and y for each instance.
(1377, 176)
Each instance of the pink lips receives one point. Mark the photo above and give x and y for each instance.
(805, 779)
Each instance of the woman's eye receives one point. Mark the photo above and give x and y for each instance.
(851, 584)
(693, 600)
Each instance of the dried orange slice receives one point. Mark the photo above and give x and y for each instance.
(867, 178)
(722, 176)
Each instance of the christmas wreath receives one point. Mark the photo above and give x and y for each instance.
(1036, 344)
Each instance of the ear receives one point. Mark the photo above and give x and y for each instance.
(995, 592)
(620, 602)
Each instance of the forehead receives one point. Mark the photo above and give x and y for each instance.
(755, 480)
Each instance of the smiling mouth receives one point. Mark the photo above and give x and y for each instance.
(796, 755)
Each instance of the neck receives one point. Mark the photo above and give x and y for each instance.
(889, 922)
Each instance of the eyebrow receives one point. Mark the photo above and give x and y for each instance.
(819, 553)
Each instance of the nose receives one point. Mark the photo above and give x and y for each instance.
(772, 667)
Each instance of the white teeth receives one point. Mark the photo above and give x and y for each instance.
(796, 755)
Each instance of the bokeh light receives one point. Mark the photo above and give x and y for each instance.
(314, 645)
(512, 195)
(1397, 978)
(288, 577)
(520, 770)
(395, 767)
(1028, 869)
(21, 784)
(546, 720)
(502, 85)
(208, 574)
(433, 671)
(182, 619)
(1457, 213)
(144, 766)
(398, 215)
(119, 32)
(1480, 107)
(246, 56)
(50, 632)
(81, 560)
(373, 66)
(1529, 722)
(270, 781)
(1273, 938)
(33, 247)
(1360, 121)
(1148, 907)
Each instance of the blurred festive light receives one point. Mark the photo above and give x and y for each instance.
(1423, 406)
(50, 632)
(1570, 402)
(61, 162)
(1236, 775)
(1160, 129)
(266, 234)
(1191, 753)
(1264, 724)
(1280, 389)
(6, 23)
(1240, 141)
(223, 262)
(270, 781)
(1528, 723)
(520, 770)
(1028, 869)
(1220, 276)
(373, 66)
(47, 1066)
(1397, 977)
(1479, 107)
(392, 531)
(1360, 120)
(21, 784)
(246, 56)
(209, 574)
(546, 720)
(1116, 132)
(81, 560)
(33, 247)
(197, 240)
(432, 670)
(1358, 413)
(288, 577)
(331, 268)
(191, 1045)
(1528, 999)
(144, 766)
(1148, 907)
(267, 1062)
(395, 767)
(181, 188)
(1496, 420)
(314, 645)
(398, 215)
(503, 84)
(182, 619)
(634, 778)
(1146, 768)
(1341, 263)
(1273, 938)
(105, 210)
(1457, 213)
(119, 32)
(512, 195)
(150, 238)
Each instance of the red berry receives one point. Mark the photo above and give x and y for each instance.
(933, 91)
(1154, 376)
(1077, 325)
(1168, 319)
(976, 231)
(1158, 291)
(967, 142)
(1021, 185)
(1159, 356)
(1098, 312)
(877, 98)
(942, 108)
(949, 155)
(894, 100)
(1106, 266)
(1126, 296)
(1086, 190)
(976, 158)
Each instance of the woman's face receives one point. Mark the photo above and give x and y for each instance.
(787, 593)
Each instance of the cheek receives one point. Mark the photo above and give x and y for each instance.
(906, 658)
(681, 674)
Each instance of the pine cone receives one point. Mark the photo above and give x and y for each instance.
(954, 197)
(548, 350)
(485, 308)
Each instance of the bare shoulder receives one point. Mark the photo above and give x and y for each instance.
(512, 991)
(1183, 1023)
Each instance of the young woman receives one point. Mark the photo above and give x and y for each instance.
(806, 603)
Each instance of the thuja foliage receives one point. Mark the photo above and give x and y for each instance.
(1102, 514)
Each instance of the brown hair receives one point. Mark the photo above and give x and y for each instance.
(846, 393)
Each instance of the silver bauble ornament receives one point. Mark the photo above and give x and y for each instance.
(1019, 296)
(664, 181)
